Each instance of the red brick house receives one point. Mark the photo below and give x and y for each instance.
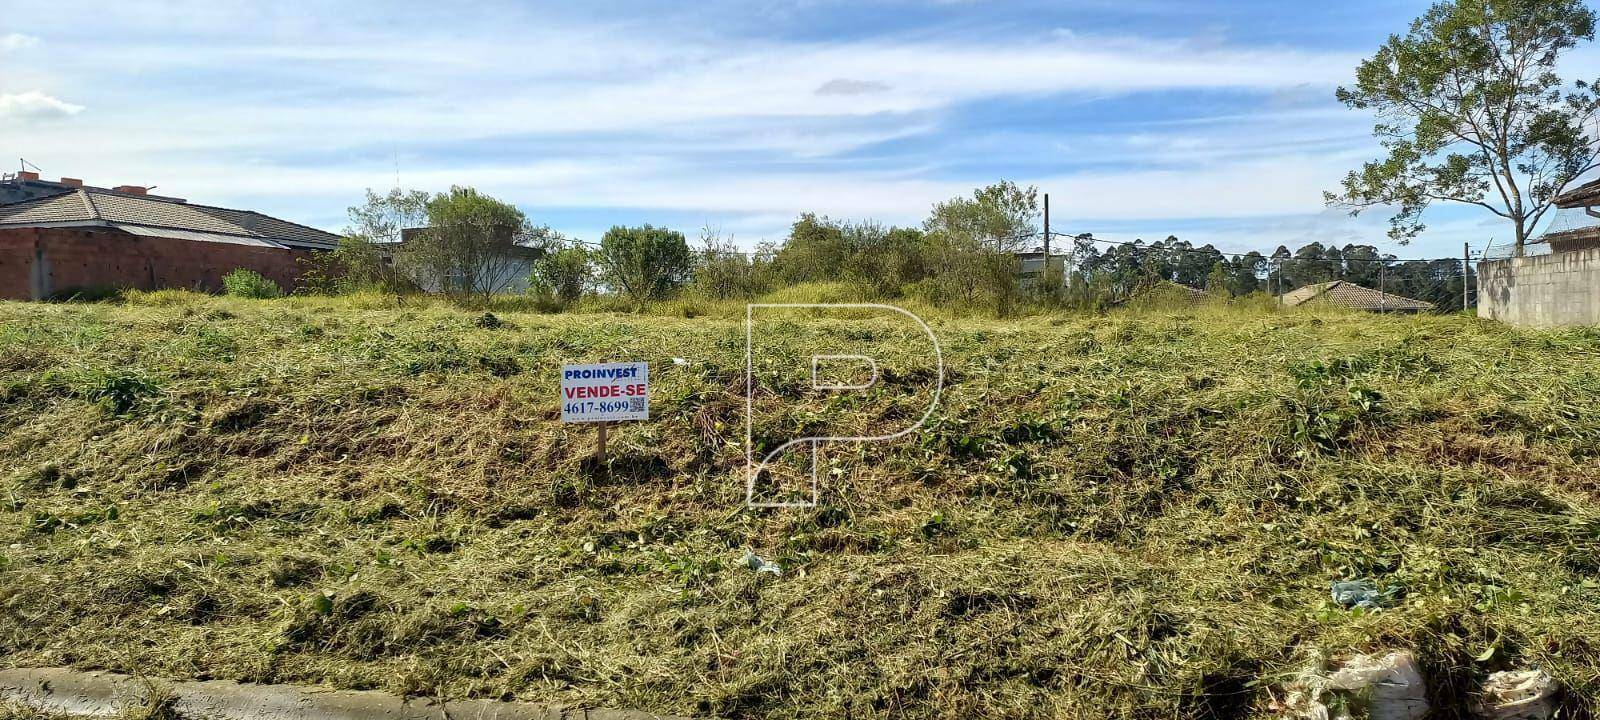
(57, 238)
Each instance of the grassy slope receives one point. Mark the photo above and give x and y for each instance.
(1134, 515)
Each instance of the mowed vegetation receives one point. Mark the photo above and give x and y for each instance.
(1135, 514)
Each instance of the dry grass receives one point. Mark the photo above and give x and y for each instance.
(1134, 515)
(16, 711)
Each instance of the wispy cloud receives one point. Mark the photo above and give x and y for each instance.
(294, 107)
(17, 41)
(35, 105)
(846, 86)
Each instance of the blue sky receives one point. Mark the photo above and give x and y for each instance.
(1142, 118)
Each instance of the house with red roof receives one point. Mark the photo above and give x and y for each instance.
(59, 238)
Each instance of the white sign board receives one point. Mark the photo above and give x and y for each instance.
(606, 392)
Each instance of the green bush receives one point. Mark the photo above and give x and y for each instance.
(250, 284)
(644, 263)
(563, 275)
(357, 265)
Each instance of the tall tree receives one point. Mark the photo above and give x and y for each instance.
(474, 244)
(563, 274)
(999, 217)
(1245, 273)
(645, 263)
(723, 271)
(1471, 111)
(361, 261)
(976, 238)
(381, 217)
(814, 251)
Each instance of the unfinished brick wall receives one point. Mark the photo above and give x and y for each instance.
(37, 263)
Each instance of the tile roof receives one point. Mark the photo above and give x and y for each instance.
(1355, 297)
(97, 207)
(1578, 238)
(66, 207)
(1581, 196)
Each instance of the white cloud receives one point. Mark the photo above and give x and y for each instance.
(35, 105)
(1230, 190)
(343, 89)
(780, 117)
(17, 41)
(847, 86)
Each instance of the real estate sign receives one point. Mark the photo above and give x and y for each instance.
(605, 392)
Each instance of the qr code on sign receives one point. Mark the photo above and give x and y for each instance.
(636, 404)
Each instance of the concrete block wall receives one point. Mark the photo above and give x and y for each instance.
(37, 263)
(1558, 289)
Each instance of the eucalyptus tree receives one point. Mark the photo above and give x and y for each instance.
(1471, 110)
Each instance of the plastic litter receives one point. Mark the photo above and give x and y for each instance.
(1371, 687)
(1518, 695)
(680, 362)
(759, 564)
(1362, 594)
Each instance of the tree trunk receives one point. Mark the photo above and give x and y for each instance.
(1522, 237)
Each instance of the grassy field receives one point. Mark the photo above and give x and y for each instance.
(1130, 515)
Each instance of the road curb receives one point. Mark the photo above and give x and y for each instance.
(102, 694)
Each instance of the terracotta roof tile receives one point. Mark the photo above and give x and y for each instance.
(1355, 297)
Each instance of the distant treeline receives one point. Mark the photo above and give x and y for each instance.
(966, 255)
(1123, 266)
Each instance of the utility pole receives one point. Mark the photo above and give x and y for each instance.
(1044, 272)
(1383, 296)
(1047, 232)
(1466, 272)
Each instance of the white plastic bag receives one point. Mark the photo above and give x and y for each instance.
(1385, 688)
(1518, 695)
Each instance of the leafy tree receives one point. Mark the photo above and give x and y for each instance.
(1276, 283)
(1183, 263)
(381, 217)
(1470, 110)
(1244, 273)
(645, 263)
(564, 274)
(1309, 266)
(723, 271)
(474, 245)
(999, 217)
(362, 259)
(885, 260)
(974, 240)
(357, 264)
(1362, 264)
(1217, 280)
(814, 251)
(1123, 270)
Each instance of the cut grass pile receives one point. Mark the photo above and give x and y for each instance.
(1135, 515)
